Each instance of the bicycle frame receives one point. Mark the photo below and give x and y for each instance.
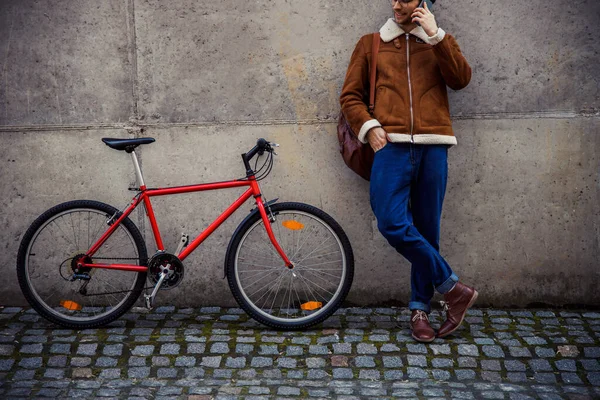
(144, 197)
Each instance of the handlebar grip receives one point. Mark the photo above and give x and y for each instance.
(262, 145)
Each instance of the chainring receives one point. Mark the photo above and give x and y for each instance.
(168, 264)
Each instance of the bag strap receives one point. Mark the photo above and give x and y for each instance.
(376, 40)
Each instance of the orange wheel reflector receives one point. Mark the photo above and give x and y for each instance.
(71, 305)
(293, 225)
(311, 305)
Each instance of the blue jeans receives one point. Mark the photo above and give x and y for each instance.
(408, 183)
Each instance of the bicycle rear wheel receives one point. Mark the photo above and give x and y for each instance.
(46, 270)
(300, 297)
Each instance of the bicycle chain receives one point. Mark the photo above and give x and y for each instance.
(117, 258)
(122, 291)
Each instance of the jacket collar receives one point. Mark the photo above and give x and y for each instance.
(391, 30)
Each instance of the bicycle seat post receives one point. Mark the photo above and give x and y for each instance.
(138, 171)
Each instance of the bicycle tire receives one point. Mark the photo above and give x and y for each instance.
(298, 280)
(34, 239)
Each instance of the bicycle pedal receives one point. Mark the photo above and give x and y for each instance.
(149, 301)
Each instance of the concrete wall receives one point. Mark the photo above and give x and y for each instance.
(521, 219)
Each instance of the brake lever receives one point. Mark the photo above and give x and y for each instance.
(273, 145)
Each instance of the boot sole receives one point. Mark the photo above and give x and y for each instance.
(423, 340)
(475, 294)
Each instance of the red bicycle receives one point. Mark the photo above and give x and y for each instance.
(83, 264)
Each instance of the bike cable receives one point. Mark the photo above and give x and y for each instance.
(259, 174)
(269, 164)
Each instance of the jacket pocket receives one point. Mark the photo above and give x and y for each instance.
(434, 108)
(390, 109)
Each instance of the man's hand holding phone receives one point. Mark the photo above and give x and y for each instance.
(423, 16)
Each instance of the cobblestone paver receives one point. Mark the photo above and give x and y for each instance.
(220, 353)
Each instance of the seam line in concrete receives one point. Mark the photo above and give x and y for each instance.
(5, 65)
(133, 53)
(130, 126)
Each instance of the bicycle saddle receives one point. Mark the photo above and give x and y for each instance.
(126, 144)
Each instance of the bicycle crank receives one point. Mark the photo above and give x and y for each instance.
(166, 272)
(149, 299)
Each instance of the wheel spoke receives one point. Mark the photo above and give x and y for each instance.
(268, 248)
(320, 271)
(64, 235)
(257, 270)
(314, 296)
(308, 236)
(320, 277)
(258, 280)
(318, 248)
(320, 274)
(263, 265)
(321, 255)
(324, 262)
(277, 290)
(315, 284)
(46, 266)
(267, 292)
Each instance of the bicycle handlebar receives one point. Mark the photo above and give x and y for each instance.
(262, 145)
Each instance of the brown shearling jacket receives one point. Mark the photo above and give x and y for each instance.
(411, 101)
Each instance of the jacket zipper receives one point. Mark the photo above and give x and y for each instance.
(409, 87)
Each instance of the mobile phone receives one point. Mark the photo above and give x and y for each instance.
(422, 5)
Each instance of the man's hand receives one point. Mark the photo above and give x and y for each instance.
(377, 138)
(426, 19)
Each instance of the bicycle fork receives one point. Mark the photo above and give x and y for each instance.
(268, 220)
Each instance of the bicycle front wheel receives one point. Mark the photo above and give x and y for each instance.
(69, 296)
(300, 297)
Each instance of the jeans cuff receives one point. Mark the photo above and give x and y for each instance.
(417, 305)
(449, 284)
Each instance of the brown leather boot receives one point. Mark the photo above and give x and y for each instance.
(457, 302)
(421, 330)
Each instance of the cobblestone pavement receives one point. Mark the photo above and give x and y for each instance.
(220, 353)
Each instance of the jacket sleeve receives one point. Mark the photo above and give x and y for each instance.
(453, 65)
(352, 98)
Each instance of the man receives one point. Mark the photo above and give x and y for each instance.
(410, 131)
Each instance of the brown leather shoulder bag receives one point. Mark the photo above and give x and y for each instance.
(358, 156)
